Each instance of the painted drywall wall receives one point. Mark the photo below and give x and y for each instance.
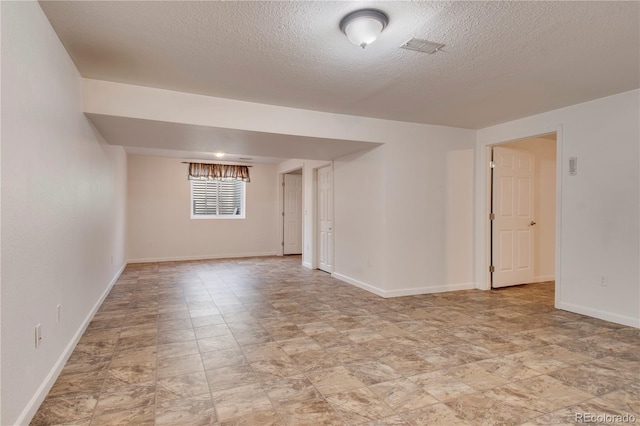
(403, 215)
(599, 207)
(544, 240)
(429, 220)
(160, 224)
(359, 182)
(63, 210)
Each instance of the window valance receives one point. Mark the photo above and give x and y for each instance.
(203, 171)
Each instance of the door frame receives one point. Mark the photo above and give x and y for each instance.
(282, 207)
(315, 263)
(280, 250)
(482, 248)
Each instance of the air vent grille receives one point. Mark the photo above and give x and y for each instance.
(245, 158)
(424, 46)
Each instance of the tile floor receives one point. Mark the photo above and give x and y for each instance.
(264, 341)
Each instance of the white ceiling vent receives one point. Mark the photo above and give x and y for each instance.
(245, 159)
(420, 45)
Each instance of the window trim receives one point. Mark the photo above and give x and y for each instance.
(215, 216)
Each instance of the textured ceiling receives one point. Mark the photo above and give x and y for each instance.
(502, 60)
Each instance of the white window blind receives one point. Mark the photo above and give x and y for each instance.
(217, 199)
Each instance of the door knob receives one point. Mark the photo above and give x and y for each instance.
(532, 223)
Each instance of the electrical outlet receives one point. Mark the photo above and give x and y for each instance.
(38, 336)
(603, 281)
(58, 313)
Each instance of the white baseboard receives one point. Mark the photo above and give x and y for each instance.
(603, 315)
(307, 265)
(205, 257)
(403, 291)
(33, 405)
(359, 284)
(543, 278)
(429, 290)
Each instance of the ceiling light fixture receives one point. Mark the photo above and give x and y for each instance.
(219, 154)
(363, 27)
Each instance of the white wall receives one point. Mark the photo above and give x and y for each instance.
(403, 214)
(403, 218)
(429, 221)
(360, 219)
(544, 151)
(599, 208)
(160, 226)
(63, 210)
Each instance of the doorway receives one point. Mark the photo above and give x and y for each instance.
(325, 218)
(292, 227)
(522, 217)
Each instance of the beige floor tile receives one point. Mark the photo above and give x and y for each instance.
(408, 364)
(213, 330)
(479, 408)
(132, 374)
(241, 402)
(626, 399)
(388, 421)
(63, 409)
(142, 355)
(216, 343)
(181, 387)
(174, 336)
(442, 385)
(223, 358)
(334, 380)
(78, 385)
(133, 400)
(262, 341)
(308, 412)
(359, 406)
(436, 415)
(554, 390)
(207, 320)
(507, 369)
(168, 367)
(277, 367)
(372, 372)
(230, 377)
(314, 360)
(403, 395)
(595, 380)
(477, 377)
(194, 411)
(291, 389)
(299, 344)
(178, 349)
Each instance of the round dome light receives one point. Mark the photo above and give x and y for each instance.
(363, 27)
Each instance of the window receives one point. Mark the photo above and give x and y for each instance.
(214, 199)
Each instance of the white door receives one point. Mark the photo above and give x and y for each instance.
(325, 219)
(514, 223)
(292, 214)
